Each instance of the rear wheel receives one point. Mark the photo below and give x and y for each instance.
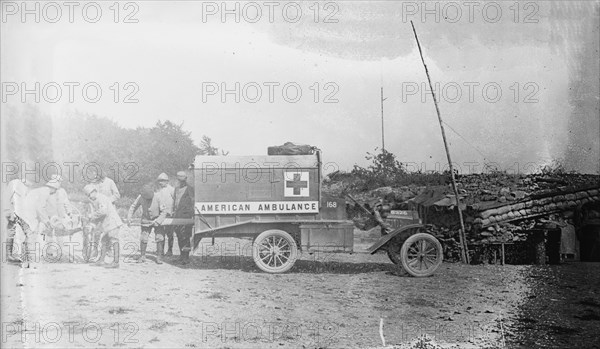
(421, 254)
(275, 251)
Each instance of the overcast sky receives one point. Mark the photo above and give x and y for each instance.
(531, 54)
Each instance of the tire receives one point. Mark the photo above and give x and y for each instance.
(394, 247)
(421, 254)
(393, 251)
(274, 251)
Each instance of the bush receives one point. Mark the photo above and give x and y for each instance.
(386, 171)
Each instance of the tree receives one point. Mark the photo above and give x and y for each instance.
(206, 147)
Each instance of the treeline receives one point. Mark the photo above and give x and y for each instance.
(74, 145)
(385, 171)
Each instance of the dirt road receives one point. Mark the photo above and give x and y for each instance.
(223, 300)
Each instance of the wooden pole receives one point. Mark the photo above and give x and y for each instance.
(461, 233)
(382, 132)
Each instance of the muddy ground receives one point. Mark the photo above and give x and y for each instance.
(325, 301)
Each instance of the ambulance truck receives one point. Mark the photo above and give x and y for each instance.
(277, 201)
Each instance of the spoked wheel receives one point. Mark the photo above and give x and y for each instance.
(394, 247)
(274, 251)
(421, 254)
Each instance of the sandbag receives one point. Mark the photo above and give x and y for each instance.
(517, 214)
(488, 213)
(504, 209)
(558, 198)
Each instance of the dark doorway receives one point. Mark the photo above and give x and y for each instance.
(589, 242)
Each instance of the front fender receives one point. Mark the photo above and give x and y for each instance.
(387, 238)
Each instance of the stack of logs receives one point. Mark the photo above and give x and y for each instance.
(534, 206)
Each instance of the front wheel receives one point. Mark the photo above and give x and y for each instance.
(393, 251)
(274, 251)
(421, 254)
(394, 247)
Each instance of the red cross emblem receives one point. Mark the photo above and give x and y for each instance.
(296, 183)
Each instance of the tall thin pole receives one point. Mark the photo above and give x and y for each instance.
(382, 128)
(461, 234)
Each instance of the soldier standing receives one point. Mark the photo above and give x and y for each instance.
(183, 208)
(144, 200)
(161, 208)
(13, 196)
(105, 214)
(108, 188)
(59, 209)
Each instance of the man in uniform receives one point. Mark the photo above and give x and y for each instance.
(106, 216)
(60, 210)
(59, 204)
(183, 208)
(29, 212)
(144, 200)
(12, 199)
(106, 186)
(161, 208)
(377, 206)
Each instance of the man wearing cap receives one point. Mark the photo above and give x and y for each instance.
(29, 212)
(183, 208)
(106, 216)
(105, 185)
(144, 200)
(161, 208)
(60, 210)
(377, 206)
(108, 188)
(59, 204)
